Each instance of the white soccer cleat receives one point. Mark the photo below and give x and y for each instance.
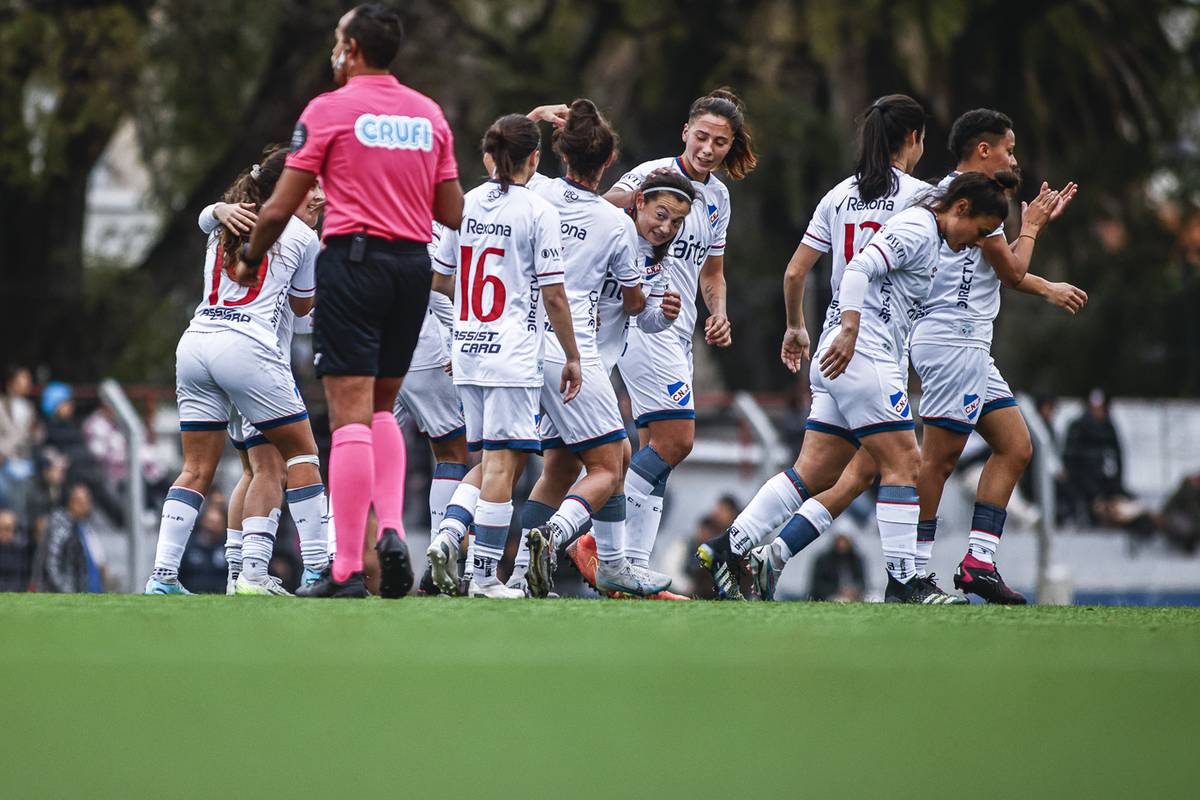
(268, 586)
(495, 589)
(443, 562)
(628, 579)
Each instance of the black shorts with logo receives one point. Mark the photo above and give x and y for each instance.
(368, 315)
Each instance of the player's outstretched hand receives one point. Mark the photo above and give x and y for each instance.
(795, 350)
(239, 218)
(572, 380)
(718, 331)
(555, 114)
(1067, 297)
(1065, 196)
(1037, 213)
(671, 304)
(838, 356)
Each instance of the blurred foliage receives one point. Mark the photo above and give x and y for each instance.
(1103, 92)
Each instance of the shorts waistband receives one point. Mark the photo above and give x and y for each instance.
(379, 244)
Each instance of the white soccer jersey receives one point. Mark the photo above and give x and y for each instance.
(433, 345)
(600, 255)
(260, 311)
(614, 322)
(843, 225)
(899, 261)
(964, 299)
(703, 235)
(508, 247)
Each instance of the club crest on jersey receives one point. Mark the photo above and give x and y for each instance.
(899, 403)
(571, 196)
(971, 405)
(680, 393)
(712, 215)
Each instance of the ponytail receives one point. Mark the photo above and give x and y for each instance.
(740, 161)
(885, 126)
(585, 141)
(510, 141)
(254, 185)
(986, 197)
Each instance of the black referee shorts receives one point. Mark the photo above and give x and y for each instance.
(368, 315)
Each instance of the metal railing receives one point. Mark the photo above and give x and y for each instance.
(1046, 464)
(131, 425)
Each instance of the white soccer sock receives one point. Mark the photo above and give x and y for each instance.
(926, 531)
(233, 552)
(469, 568)
(460, 511)
(987, 526)
(178, 517)
(608, 528)
(645, 487)
(776, 501)
(307, 507)
(491, 535)
(572, 515)
(896, 511)
(330, 532)
(258, 542)
(446, 478)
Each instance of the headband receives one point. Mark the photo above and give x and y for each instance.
(670, 189)
(255, 171)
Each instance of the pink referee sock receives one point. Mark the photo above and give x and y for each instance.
(391, 464)
(351, 475)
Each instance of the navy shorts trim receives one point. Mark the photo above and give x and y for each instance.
(832, 430)
(885, 427)
(657, 416)
(254, 441)
(948, 424)
(521, 445)
(461, 430)
(588, 444)
(997, 404)
(203, 425)
(556, 443)
(280, 421)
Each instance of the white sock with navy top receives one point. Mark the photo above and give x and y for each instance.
(926, 532)
(896, 511)
(777, 499)
(460, 512)
(534, 514)
(307, 507)
(258, 542)
(608, 526)
(446, 478)
(491, 535)
(645, 488)
(987, 525)
(570, 517)
(179, 514)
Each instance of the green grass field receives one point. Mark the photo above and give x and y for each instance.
(128, 697)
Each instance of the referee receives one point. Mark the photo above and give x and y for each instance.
(385, 157)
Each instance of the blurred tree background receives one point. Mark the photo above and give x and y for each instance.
(1103, 92)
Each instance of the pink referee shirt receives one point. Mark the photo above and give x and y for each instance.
(379, 148)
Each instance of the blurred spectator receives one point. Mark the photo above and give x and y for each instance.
(69, 557)
(726, 512)
(1181, 515)
(702, 582)
(838, 573)
(1094, 468)
(203, 568)
(15, 557)
(106, 445)
(18, 429)
(64, 434)
(48, 493)
(795, 416)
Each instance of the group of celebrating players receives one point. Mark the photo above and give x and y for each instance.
(539, 288)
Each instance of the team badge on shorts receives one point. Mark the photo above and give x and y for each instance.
(680, 393)
(899, 403)
(970, 405)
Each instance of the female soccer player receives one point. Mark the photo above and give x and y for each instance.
(230, 355)
(891, 142)
(657, 367)
(858, 385)
(961, 389)
(508, 259)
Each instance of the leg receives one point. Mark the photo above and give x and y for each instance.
(261, 512)
(201, 453)
(560, 470)
(668, 443)
(233, 530)
(940, 451)
(351, 466)
(493, 514)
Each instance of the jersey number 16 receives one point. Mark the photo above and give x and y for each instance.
(470, 291)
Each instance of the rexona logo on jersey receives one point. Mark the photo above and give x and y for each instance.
(680, 393)
(394, 132)
(712, 215)
(970, 405)
(899, 404)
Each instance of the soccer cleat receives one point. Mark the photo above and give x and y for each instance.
(326, 586)
(395, 566)
(159, 586)
(443, 562)
(519, 583)
(949, 599)
(624, 577)
(725, 568)
(543, 559)
(495, 589)
(983, 580)
(764, 575)
(582, 553)
(311, 576)
(918, 591)
(665, 595)
(426, 586)
(264, 587)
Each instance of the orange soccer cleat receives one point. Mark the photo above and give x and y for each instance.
(582, 553)
(665, 595)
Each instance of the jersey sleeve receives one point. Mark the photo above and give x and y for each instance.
(720, 229)
(624, 262)
(631, 180)
(445, 260)
(819, 233)
(547, 248)
(311, 136)
(447, 166)
(894, 248)
(304, 280)
(208, 219)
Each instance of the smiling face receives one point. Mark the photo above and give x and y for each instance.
(706, 142)
(311, 206)
(660, 216)
(962, 230)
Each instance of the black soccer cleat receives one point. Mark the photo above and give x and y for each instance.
(395, 566)
(426, 586)
(326, 586)
(947, 599)
(983, 580)
(918, 591)
(725, 567)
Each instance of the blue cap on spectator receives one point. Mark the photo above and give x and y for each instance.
(54, 395)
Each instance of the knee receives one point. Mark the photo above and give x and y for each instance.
(196, 476)
(1023, 453)
(674, 450)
